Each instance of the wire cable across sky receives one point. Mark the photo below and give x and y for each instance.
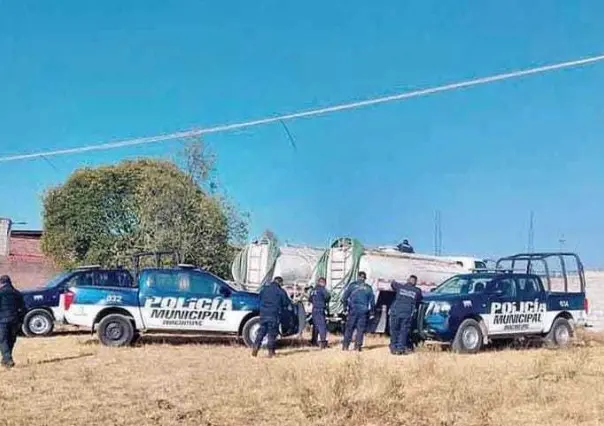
(304, 114)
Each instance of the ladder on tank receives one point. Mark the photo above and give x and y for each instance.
(255, 268)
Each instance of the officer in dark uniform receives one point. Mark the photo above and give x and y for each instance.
(273, 301)
(359, 302)
(407, 300)
(11, 315)
(405, 247)
(319, 297)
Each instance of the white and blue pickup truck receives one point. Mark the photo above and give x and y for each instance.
(183, 300)
(535, 295)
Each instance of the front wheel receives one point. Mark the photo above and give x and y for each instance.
(116, 330)
(250, 330)
(468, 339)
(561, 333)
(38, 323)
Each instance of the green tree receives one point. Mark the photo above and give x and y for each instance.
(102, 215)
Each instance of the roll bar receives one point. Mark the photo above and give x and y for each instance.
(531, 258)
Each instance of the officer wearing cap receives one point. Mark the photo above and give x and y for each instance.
(11, 315)
(273, 301)
(407, 299)
(319, 298)
(359, 302)
(405, 247)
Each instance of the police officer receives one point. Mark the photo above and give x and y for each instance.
(408, 297)
(319, 298)
(405, 247)
(273, 301)
(11, 312)
(360, 304)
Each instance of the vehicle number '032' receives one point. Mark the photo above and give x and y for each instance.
(114, 298)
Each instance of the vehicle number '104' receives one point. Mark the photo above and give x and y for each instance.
(114, 298)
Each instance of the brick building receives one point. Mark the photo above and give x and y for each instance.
(21, 256)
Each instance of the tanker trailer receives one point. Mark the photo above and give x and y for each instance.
(341, 263)
(262, 260)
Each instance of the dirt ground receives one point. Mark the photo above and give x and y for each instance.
(70, 379)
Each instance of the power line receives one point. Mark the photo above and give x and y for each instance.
(308, 113)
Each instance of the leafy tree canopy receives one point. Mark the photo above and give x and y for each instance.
(102, 215)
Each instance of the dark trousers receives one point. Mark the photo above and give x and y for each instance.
(319, 326)
(269, 326)
(400, 325)
(8, 338)
(355, 321)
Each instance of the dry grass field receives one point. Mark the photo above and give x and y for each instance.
(72, 380)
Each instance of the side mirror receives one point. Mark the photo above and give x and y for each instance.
(225, 292)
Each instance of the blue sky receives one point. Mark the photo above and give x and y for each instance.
(74, 73)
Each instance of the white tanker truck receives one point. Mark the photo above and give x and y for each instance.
(341, 263)
(262, 260)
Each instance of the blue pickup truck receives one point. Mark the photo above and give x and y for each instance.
(536, 295)
(45, 306)
(183, 300)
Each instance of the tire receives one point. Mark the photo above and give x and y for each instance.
(561, 333)
(468, 339)
(249, 331)
(116, 330)
(38, 323)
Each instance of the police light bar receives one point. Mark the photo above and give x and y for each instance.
(186, 266)
(84, 267)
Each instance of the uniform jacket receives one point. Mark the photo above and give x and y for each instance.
(273, 300)
(407, 298)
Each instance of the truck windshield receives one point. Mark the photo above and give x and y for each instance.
(463, 284)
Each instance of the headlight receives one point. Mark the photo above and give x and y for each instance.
(442, 308)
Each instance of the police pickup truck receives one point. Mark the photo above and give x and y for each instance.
(537, 295)
(179, 300)
(45, 306)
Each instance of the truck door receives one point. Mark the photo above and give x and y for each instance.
(531, 304)
(216, 309)
(500, 299)
(162, 298)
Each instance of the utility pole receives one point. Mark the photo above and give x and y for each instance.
(437, 234)
(531, 233)
(562, 241)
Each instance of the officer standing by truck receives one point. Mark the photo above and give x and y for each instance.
(406, 302)
(11, 312)
(273, 301)
(319, 298)
(359, 303)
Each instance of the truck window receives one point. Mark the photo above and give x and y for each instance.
(114, 279)
(505, 285)
(528, 286)
(204, 284)
(167, 281)
(463, 285)
(82, 279)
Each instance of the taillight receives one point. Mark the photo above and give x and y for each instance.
(586, 305)
(68, 299)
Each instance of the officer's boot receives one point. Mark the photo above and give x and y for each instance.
(271, 353)
(323, 345)
(255, 351)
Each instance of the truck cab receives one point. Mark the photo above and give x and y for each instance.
(538, 295)
(179, 300)
(45, 306)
